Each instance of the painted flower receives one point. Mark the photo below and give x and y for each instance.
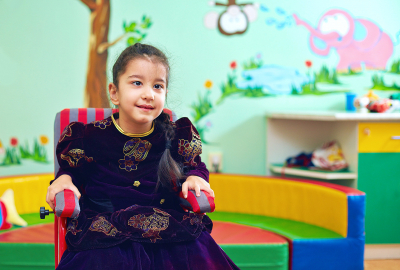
(258, 56)
(208, 124)
(2, 150)
(308, 63)
(233, 65)
(14, 141)
(208, 84)
(44, 140)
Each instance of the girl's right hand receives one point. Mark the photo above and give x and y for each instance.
(62, 182)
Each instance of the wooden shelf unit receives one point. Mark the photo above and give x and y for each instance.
(371, 146)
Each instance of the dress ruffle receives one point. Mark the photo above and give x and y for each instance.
(200, 254)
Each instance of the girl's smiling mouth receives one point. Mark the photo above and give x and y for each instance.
(145, 107)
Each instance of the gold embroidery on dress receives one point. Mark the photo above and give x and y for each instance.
(74, 155)
(104, 226)
(135, 151)
(72, 225)
(67, 132)
(151, 225)
(102, 123)
(190, 150)
(194, 218)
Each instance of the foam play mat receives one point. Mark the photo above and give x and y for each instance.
(272, 224)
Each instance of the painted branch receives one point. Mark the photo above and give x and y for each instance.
(91, 4)
(96, 94)
(104, 46)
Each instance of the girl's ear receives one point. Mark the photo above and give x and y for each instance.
(112, 90)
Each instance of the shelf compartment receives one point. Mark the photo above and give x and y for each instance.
(317, 174)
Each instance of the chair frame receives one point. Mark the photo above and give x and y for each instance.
(63, 118)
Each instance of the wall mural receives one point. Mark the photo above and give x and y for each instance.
(341, 48)
(233, 20)
(96, 94)
(16, 152)
(356, 40)
(360, 44)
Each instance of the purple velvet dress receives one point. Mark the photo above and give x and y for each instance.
(124, 223)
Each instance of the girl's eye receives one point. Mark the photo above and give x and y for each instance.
(158, 86)
(137, 83)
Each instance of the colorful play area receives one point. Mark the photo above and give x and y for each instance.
(284, 221)
(294, 108)
(260, 222)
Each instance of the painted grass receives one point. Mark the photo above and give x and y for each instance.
(379, 84)
(312, 89)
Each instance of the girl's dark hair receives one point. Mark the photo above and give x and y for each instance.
(169, 171)
(138, 50)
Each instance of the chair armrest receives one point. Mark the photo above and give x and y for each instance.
(203, 204)
(67, 204)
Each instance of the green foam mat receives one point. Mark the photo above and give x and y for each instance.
(15, 256)
(288, 228)
(259, 256)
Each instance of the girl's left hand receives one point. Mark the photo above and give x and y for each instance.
(196, 183)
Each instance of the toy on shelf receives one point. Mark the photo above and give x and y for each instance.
(372, 96)
(327, 157)
(371, 102)
(383, 105)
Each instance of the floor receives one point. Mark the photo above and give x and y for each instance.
(382, 265)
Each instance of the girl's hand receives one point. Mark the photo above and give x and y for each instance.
(62, 182)
(196, 183)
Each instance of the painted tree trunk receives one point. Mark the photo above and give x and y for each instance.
(96, 81)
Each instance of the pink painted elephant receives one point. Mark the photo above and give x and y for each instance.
(356, 41)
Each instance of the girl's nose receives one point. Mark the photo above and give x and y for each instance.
(148, 93)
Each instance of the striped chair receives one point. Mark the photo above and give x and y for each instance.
(63, 118)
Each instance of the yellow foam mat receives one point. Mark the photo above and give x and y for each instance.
(29, 191)
(299, 201)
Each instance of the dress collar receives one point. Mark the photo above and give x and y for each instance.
(132, 134)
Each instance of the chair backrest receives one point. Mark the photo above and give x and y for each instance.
(63, 118)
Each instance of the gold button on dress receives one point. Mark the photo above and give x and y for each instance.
(136, 183)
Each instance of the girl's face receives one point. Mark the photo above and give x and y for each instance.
(141, 92)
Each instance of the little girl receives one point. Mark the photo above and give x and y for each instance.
(129, 168)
